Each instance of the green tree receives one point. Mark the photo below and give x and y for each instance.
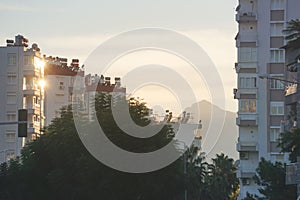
(58, 166)
(221, 181)
(293, 34)
(290, 142)
(271, 178)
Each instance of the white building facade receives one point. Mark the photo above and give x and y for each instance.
(261, 102)
(59, 81)
(21, 71)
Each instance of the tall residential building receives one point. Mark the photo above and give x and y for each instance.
(100, 84)
(59, 81)
(21, 71)
(261, 102)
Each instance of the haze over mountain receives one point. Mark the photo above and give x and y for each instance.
(221, 141)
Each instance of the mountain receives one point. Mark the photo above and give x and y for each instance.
(216, 136)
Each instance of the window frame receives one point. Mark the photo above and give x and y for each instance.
(251, 103)
(276, 105)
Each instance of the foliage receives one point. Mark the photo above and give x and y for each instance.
(293, 34)
(290, 142)
(57, 165)
(222, 178)
(271, 177)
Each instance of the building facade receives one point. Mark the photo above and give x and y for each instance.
(59, 81)
(21, 71)
(261, 102)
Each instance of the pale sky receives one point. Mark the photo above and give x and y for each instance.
(73, 29)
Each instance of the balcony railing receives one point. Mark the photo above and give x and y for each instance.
(244, 16)
(247, 37)
(291, 89)
(247, 146)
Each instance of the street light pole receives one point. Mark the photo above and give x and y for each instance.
(268, 76)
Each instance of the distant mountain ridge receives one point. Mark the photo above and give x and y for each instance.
(215, 143)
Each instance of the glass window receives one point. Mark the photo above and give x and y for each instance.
(274, 134)
(277, 56)
(276, 29)
(11, 79)
(277, 4)
(277, 108)
(11, 98)
(247, 82)
(247, 54)
(10, 136)
(11, 116)
(28, 60)
(277, 84)
(11, 59)
(248, 105)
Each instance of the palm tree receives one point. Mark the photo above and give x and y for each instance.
(292, 33)
(222, 178)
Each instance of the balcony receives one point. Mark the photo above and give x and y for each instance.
(247, 119)
(245, 93)
(30, 90)
(247, 146)
(243, 67)
(32, 108)
(247, 37)
(31, 71)
(33, 128)
(243, 16)
(242, 174)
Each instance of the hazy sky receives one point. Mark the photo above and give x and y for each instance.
(73, 29)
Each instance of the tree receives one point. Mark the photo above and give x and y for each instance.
(293, 34)
(221, 180)
(271, 178)
(290, 142)
(58, 166)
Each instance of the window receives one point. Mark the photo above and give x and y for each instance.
(11, 116)
(11, 79)
(11, 98)
(10, 154)
(277, 108)
(274, 134)
(277, 158)
(61, 86)
(277, 84)
(247, 82)
(10, 136)
(11, 59)
(247, 54)
(28, 60)
(248, 105)
(277, 56)
(276, 29)
(277, 4)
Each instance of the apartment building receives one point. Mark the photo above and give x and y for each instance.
(261, 102)
(59, 81)
(99, 84)
(21, 73)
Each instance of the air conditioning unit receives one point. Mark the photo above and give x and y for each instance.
(244, 155)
